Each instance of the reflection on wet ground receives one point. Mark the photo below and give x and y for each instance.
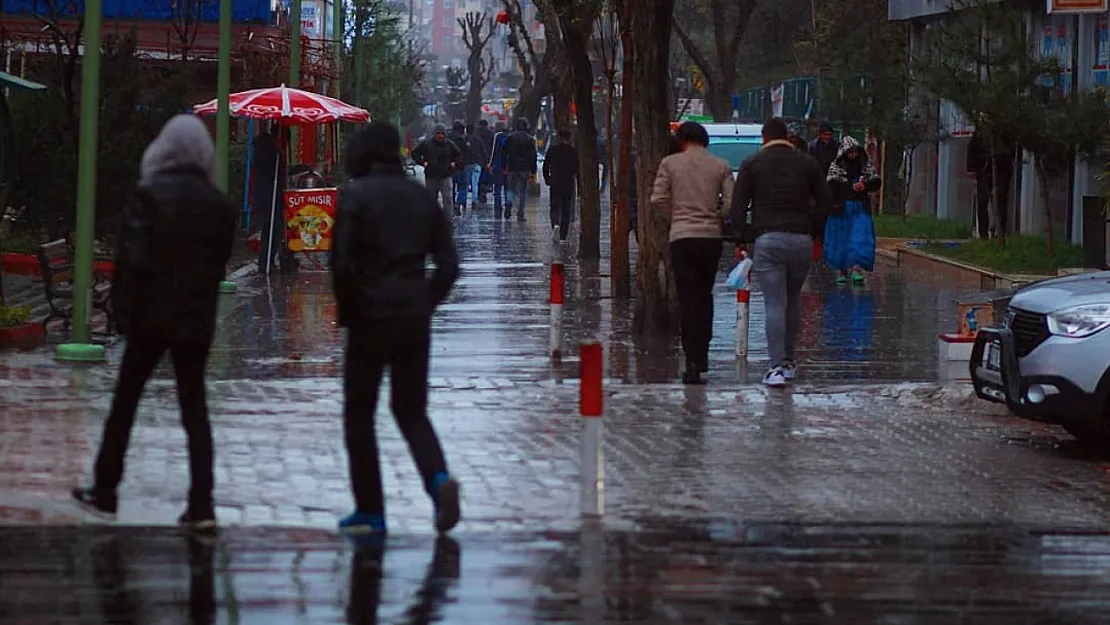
(722, 572)
(495, 324)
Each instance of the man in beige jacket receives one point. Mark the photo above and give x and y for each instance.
(695, 189)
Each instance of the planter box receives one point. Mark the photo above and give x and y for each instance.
(954, 270)
(22, 336)
(20, 264)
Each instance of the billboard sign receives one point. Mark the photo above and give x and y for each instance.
(1077, 6)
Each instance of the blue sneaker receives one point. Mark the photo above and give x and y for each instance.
(445, 497)
(362, 523)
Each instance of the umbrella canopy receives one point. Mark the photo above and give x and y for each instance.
(292, 106)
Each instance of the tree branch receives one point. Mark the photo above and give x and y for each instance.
(695, 53)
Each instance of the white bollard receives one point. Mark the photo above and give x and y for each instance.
(743, 299)
(557, 299)
(592, 476)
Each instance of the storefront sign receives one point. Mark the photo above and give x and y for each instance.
(1078, 6)
(310, 20)
(309, 219)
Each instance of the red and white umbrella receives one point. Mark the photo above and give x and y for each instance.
(292, 106)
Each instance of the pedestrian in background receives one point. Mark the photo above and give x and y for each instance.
(849, 230)
(560, 173)
(268, 170)
(694, 188)
(496, 167)
(386, 229)
(439, 157)
(485, 181)
(479, 156)
(173, 249)
(786, 195)
(519, 166)
(461, 179)
(824, 148)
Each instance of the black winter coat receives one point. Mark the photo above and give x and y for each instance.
(520, 152)
(386, 228)
(174, 245)
(560, 167)
(440, 159)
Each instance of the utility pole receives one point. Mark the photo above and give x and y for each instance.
(295, 70)
(81, 349)
(223, 112)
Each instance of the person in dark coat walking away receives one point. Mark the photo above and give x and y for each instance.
(849, 232)
(496, 168)
(485, 181)
(173, 250)
(824, 148)
(519, 156)
(786, 195)
(560, 173)
(478, 156)
(268, 164)
(694, 188)
(461, 181)
(386, 229)
(439, 157)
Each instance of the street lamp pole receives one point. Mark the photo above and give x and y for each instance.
(81, 349)
(223, 112)
(295, 66)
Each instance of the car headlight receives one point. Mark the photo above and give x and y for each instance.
(1079, 321)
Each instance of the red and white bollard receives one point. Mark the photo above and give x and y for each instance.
(592, 475)
(743, 298)
(557, 298)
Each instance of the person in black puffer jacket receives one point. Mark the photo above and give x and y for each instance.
(519, 167)
(386, 229)
(440, 157)
(173, 250)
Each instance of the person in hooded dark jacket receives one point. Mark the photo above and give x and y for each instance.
(461, 179)
(849, 242)
(173, 250)
(824, 148)
(561, 173)
(479, 156)
(485, 180)
(519, 158)
(496, 169)
(386, 229)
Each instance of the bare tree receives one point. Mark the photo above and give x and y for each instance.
(477, 31)
(729, 20)
(536, 79)
(186, 17)
(608, 39)
(67, 55)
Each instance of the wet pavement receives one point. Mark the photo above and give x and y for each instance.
(866, 493)
(730, 573)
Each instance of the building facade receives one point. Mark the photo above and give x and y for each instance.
(1077, 34)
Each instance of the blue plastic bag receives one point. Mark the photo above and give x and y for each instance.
(738, 277)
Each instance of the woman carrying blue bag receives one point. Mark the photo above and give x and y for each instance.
(849, 233)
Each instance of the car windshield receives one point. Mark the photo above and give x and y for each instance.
(732, 150)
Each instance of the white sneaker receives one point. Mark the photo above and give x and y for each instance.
(789, 371)
(776, 377)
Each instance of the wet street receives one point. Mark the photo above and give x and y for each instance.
(870, 492)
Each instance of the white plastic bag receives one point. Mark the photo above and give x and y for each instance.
(738, 277)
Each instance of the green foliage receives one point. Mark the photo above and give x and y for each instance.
(919, 227)
(20, 243)
(1021, 254)
(383, 67)
(12, 316)
(137, 99)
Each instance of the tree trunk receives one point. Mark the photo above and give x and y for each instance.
(577, 49)
(474, 95)
(1049, 230)
(619, 268)
(719, 102)
(656, 310)
(996, 192)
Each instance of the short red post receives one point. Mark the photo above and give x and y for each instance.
(557, 299)
(591, 404)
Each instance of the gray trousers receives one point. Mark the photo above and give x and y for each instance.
(441, 189)
(781, 265)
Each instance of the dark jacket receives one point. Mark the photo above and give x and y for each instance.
(174, 245)
(845, 172)
(387, 226)
(781, 190)
(520, 150)
(459, 139)
(823, 153)
(560, 167)
(497, 156)
(479, 155)
(485, 135)
(267, 158)
(440, 159)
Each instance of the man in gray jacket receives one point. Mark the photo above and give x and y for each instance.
(779, 202)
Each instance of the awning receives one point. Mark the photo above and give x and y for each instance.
(15, 82)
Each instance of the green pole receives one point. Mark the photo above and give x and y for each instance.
(223, 115)
(337, 32)
(81, 349)
(295, 68)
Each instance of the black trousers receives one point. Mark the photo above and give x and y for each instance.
(984, 197)
(694, 262)
(139, 360)
(402, 345)
(562, 198)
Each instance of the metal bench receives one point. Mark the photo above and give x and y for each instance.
(56, 266)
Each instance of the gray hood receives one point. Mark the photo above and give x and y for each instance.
(1052, 295)
(183, 143)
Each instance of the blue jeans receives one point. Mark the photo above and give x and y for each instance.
(499, 192)
(475, 173)
(517, 190)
